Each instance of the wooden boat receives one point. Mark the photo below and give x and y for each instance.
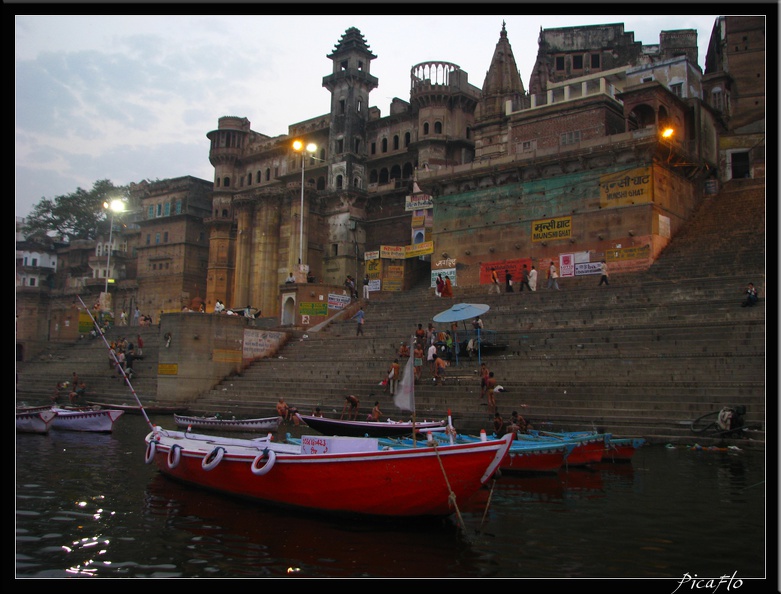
(152, 409)
(522, 457)
(340, 475)
(588, 447)
(36, 419)
(388, 428)
(96, 420)
(217, 423)
(621, 449)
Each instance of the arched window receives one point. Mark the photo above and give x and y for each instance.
(468, 132)
(338, 182)
(226, 182)
(357, 182)
(321, 183)
(384, 145)
(396, 142)
(224, 213)
(249, 179)
(373, 176)
(407, 171)
(395, 172)
(407, 139)
(258, 176)
(437, 127)
(268, 173)
(383, 176)
(425, 128)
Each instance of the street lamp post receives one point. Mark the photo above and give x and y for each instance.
(299, 146)
(114, 206)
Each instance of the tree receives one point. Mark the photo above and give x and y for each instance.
(74, 216)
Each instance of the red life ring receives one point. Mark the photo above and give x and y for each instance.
(150, 451)
(213, 458)
(174, 456)
(271, 458)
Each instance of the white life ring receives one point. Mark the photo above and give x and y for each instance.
(213, 458)
(150, 451)
(271, 459)
(174, 455)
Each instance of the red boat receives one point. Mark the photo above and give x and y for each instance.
(622, 449)
(522, 457)
(588, 447)
(334, 474)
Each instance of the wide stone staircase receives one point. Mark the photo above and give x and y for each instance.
(642, 357)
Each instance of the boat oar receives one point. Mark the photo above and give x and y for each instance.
(116, 361)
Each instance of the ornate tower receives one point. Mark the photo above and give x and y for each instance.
(350, 84)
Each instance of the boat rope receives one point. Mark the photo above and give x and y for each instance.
(487, 503)
(116, 361)
(451, 496)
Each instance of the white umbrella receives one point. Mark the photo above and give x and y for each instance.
(463, 311)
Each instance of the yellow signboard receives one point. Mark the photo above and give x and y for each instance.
(626, 187)
(393, 252)
(419, 249)
(167, 369)
(553, 228)
(631, 253)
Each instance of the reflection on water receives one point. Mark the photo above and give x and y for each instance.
(87, 505)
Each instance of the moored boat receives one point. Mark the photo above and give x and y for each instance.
(95, 420)
(387, 428)
(588, 447)
(522, 456)
(218, 423)
(333, 474)
(621, 449)
(152, 409)
(35, 419)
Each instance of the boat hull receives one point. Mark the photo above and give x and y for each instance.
(97, 421)
(622, 449)
(413, 482)
(215, 424)
(542, 458)
(328, 426)
(588, 448)
(152, 409)
(35, 420)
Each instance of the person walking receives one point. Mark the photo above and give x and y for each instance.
(603, 279)
(533, 279)
(553, 277)
(440, 284)
(360, 317)
(439, 369)
(508, 281)
(366, 286)
(418, 354)
(136, 317)
(525, 278)
(430, 355)
(393, 377)
(494, 288)
(490, 386)
(484, 371)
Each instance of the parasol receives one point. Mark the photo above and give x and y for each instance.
(462, 312)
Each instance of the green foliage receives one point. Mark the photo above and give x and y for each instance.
(74, 216)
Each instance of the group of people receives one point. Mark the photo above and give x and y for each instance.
(517, 423)
(444, 288)
(123, 354)
(76, 390)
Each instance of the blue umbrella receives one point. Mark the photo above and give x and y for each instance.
(463, 311)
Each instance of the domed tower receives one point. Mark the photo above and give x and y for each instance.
(445, 103)
(502, 84)
(350, 84)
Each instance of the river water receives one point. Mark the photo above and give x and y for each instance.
(88, 506)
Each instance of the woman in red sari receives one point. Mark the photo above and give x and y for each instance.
(447, 290)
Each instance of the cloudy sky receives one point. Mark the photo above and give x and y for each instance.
(128, 98)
